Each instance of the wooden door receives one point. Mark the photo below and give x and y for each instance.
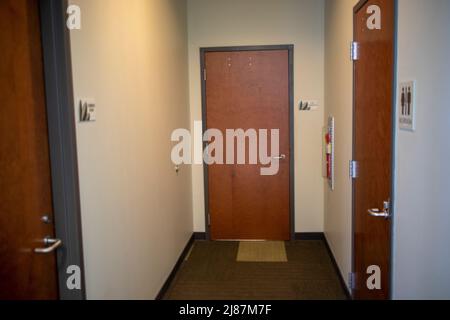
(25, 186)
(373, 114)
(249, 90)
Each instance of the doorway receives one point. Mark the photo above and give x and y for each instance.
(374, 101)
(249, 88)
(40, 228)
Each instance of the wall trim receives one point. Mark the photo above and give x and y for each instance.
(177, 266)
(200, 236)
(309, 236)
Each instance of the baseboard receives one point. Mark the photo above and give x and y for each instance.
(175, 269)
(336, 268)
(309, 236)
(200, 235)
(298, 236)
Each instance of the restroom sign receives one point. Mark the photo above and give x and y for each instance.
(407, 106)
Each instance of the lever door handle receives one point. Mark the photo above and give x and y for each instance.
(378, 214)
(280, 157)
(52, 244)
(385, 213)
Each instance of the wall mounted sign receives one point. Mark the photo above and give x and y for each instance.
(87, 110)
(308, 105)
(407, 106)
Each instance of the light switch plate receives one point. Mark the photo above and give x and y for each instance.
(88, 110)
(407, 106)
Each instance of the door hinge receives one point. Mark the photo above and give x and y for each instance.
(204, 74)
(354, 51)
(209, 219)
(354, 169)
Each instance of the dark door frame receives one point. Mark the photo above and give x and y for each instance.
(62, 142)
(290, 49)
(358, 7)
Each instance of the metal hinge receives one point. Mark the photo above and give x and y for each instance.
(204, 74)
(354, 51)
(209, 219)
(352, 281)
(354, 169)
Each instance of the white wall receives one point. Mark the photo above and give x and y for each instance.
(339, 103)
(422, 216)
(131, 56)
(267, 22)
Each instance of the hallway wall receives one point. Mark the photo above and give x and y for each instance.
(422, 215)
(265, 22)
(131, 56)
(339, 103)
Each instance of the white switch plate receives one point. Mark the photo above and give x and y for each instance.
(88, 110)
(407, 106)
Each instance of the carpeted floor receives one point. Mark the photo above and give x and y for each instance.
(211, 272)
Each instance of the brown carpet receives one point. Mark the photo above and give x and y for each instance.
(212, 273)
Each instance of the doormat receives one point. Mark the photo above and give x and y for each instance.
(262, 251)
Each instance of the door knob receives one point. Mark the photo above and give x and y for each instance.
(52, 245)
(385, 213)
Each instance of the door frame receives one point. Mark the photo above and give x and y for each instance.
(290, 49)
(356, 8)
(62, 142)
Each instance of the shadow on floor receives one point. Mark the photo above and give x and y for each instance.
(211, 272)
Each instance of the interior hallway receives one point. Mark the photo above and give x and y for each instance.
(113, 205)
(211, 272)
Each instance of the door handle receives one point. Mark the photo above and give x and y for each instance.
(52, 245)
(281, 157)
(385, 213)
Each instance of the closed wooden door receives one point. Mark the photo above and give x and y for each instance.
(373, 114)
(249, 90)
(25, 186)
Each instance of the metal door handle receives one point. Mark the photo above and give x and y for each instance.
(281, 157)
(378, 214)
(52, 243)
(385, 213)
